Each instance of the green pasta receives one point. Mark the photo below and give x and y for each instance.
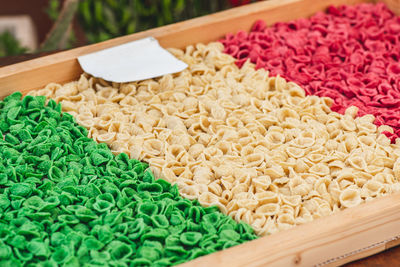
(67, 201)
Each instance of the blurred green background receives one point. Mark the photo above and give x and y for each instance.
(101, 20)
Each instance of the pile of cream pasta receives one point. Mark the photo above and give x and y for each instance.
(251, 144)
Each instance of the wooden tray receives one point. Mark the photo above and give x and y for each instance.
(343, 237)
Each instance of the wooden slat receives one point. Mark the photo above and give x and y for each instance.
(319, 241)
(63, 67)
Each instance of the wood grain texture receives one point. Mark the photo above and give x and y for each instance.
(63, 67)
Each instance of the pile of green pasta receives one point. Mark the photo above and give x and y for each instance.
(67, 201)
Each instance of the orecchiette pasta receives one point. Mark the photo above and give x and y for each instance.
(254, 145)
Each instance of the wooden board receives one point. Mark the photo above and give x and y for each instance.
(346, 236)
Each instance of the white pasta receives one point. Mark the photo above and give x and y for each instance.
(251, 144)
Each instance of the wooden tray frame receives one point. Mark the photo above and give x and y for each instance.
(343, 237)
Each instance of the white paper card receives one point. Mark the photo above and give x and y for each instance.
(134, 61)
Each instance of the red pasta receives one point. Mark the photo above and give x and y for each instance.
(350, 53)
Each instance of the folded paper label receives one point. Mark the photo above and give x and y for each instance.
(134, 61)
